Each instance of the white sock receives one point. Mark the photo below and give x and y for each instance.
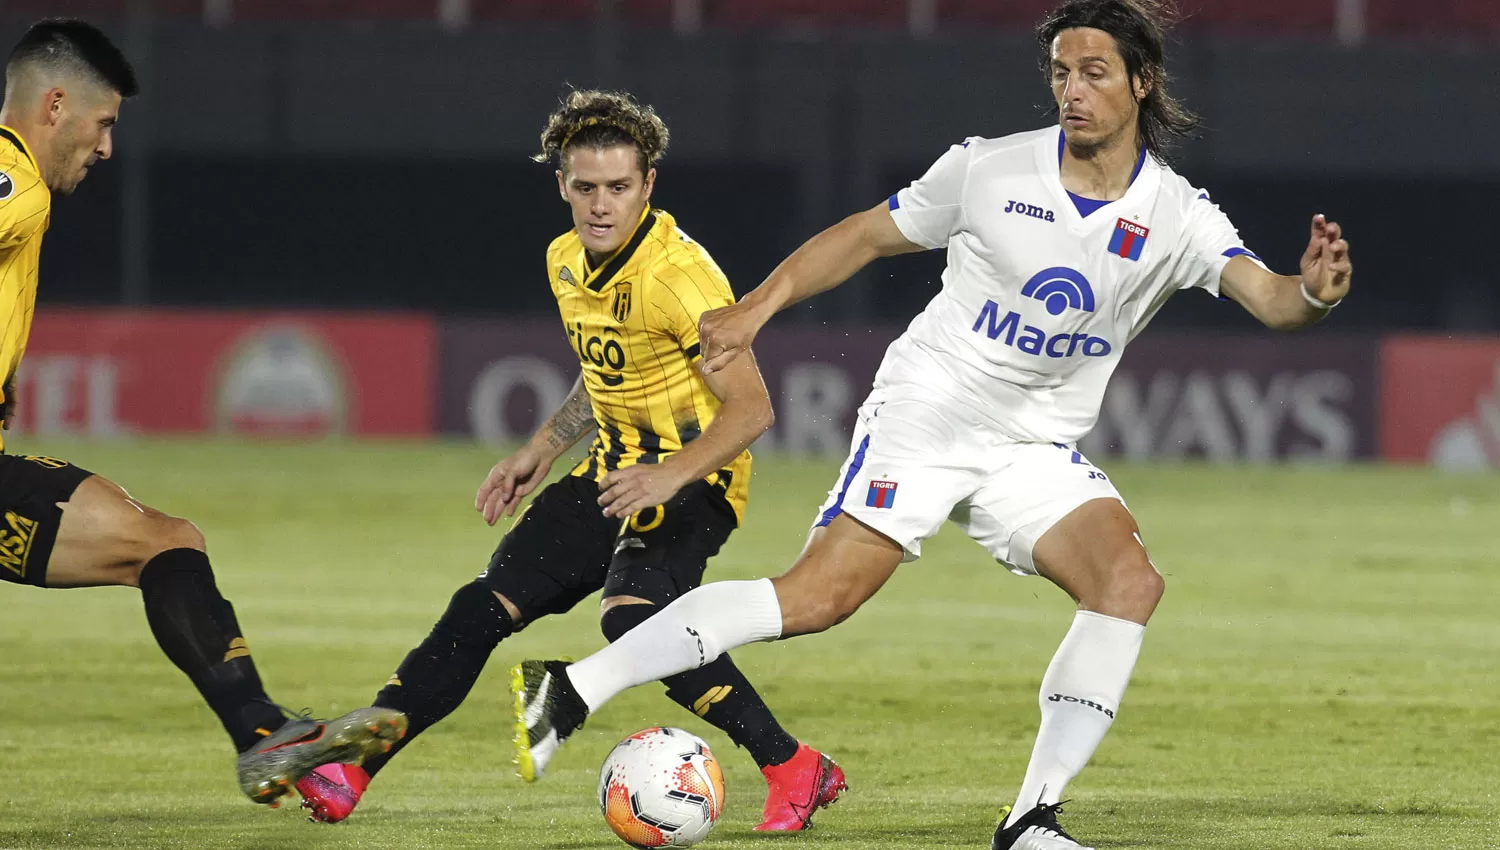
(1080, 696)
(697, 628)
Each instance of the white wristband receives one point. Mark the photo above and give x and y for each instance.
(1317, 302)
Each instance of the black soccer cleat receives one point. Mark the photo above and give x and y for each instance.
(547, 711)
(1036, 830)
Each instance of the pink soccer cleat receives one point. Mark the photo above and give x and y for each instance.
(331, 792)
(799, 787)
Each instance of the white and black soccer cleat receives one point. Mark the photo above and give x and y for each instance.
(1036, 830)
(547, 711)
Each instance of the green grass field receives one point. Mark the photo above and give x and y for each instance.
(1324, 671)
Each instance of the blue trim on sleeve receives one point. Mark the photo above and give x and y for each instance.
(838, 504)
(893, 203)
(1242, 252)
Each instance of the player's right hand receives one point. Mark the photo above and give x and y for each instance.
(725, 332)
(510, 481)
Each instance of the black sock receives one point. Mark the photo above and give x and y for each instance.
(436, 676)
(718, 693)
(196, 628)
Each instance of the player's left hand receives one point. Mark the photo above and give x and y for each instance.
(636, 488)
(1326, 269)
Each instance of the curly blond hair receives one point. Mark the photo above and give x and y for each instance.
(603, 119)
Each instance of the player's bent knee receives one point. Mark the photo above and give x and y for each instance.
(512, 610)
(1131, 590)
(162, 533)
(477, 616)
(177, 533)
(623, 613)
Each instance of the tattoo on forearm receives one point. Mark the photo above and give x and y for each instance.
(571, 421)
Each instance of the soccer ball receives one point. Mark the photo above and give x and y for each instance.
(661, 787)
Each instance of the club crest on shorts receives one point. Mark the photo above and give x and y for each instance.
(1129, 240)
(882, 494)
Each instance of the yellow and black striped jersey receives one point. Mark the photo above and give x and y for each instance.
(633, 322)
(25, 212)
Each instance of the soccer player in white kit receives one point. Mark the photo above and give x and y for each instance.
(1062, 244)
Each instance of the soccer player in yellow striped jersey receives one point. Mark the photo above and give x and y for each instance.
(632, 319)
(62, 526)
(25, 211)
(663, 485)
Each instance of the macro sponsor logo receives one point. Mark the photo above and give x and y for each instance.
(1061, 289)
(1032, 340)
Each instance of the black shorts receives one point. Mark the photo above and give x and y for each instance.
(563, 548)
(30, 488)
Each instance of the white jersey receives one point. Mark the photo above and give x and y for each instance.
(1038, 301)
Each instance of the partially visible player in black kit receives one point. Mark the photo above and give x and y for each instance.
(665, 481)
(61, 526)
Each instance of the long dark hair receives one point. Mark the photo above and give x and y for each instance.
(1139, 27)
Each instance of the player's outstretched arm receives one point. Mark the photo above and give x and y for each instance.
(744, 414)
(513, 478)
(823, 262)
(1288, 303)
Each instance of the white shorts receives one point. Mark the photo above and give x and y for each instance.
(916, 463)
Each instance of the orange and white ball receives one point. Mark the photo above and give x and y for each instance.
(661, 787)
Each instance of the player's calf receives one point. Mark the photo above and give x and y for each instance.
(435, 677)
(107, 538)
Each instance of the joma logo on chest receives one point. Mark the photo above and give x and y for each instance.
(1031, 210)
